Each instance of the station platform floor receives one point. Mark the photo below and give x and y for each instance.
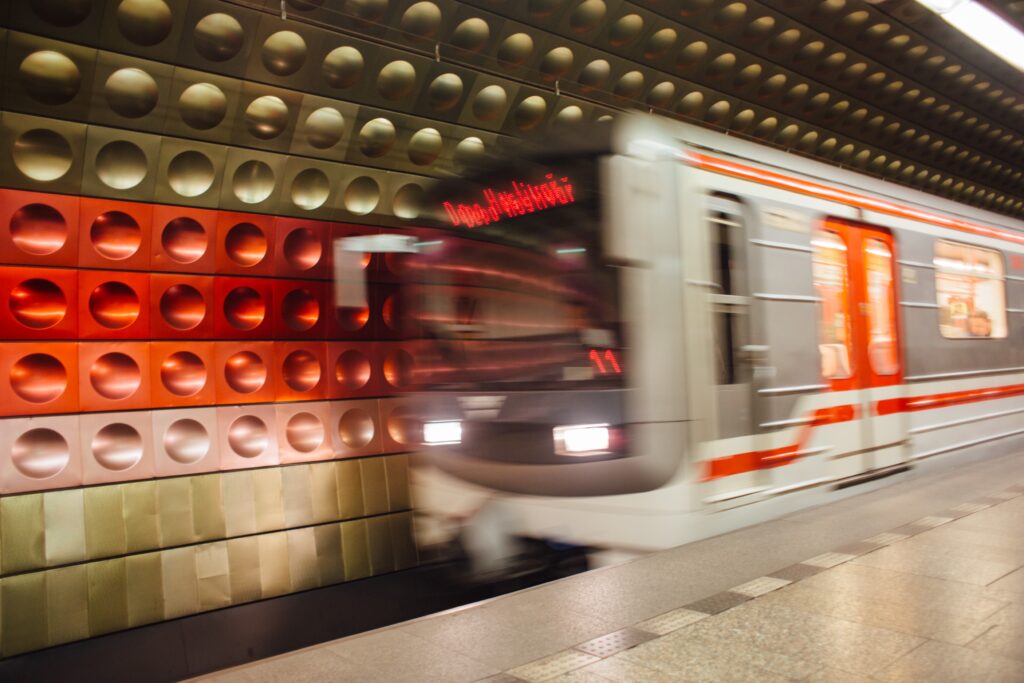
(921, 580)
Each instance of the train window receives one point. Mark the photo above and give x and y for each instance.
(831, 281)
(882, 349)
(970, 291)
(727, 297)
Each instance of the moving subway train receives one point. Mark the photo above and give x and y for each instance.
(676, 332)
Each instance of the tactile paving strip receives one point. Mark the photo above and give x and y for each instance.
(671, 621)
(553, 665)
(761, 586)
(719, 602)
(607, 645)
(829, 560)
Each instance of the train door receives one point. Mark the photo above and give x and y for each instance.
(859, 339)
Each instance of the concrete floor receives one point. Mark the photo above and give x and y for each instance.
(920, 580)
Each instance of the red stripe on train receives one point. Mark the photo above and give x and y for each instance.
(953, 398)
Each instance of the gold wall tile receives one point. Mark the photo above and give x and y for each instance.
(208, 507)
(297, 491)
(328, 553)
(141, 516)
(239, 503)
(396, 468)
(403, 540)
(145, 588)
(22, 525)
(174, 499)
(355, 549)
(67, 604)
(104, 522)
(274, 579)
(350, 488)
(23, 627)
(244, 564)
(64, 515)
(375, 486)
(325, 492)
(181, 594)
(269, 503)
(302, 560)
(108, 596)
(382, 556)
(213, 575)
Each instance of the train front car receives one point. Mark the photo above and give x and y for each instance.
(545, 364)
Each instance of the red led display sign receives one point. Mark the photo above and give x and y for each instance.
(605, 363)
(515, 200)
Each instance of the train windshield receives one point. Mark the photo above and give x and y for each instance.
(513, 290)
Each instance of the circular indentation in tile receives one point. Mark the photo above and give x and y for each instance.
(569, 116)
(661, 94)
(515, 50)
(283, 53)
(376, 137)
(391, 311)
(302, 249)
(202, 106)
(396, 80)
(253, 182)
(403, 427)
(37, 303)
(121, 165)
(444, 92)
(186, 441)
(300, 310)
(246, 245)
(115, 235)
(304, 432)
(114, 305)
(183, 373)
(352, 370)
(398, 365)
(408, 201)
(530, 112)
(218, 37)
(471, 34)
(692, 55)
(625, 30)
(244, 308)
(144, 22)
(731, 15)
(629, 86)
(50, 77)
(117, 447)
(743, 120)
(468, 151)
(587, 16)
(324, 127)
(115, 376)
(62, 12)
(722, 65)
(361, 196)
(659, 44)
(489, 103)
(718, 112)
(343, 66)
(182, 306)
(422, 19)
(424, 146)
(540, 9)
(248, 436)
(38, 378)
(266, 117)
(245, 372)
(690, 104)
(42, 154)
(40, 453)
(353, 319)
(184, 240)
(190, 173)
(301, 370)
(595, 75)
(356, 428)
(38, 229)
(131, 92)
(368, 10)
(310, 189)
(556, 63)
(785, 40)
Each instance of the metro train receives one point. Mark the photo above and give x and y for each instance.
(672, 332)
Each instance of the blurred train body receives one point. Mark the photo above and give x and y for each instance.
(681, 333)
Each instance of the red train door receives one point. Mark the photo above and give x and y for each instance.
(859, 338)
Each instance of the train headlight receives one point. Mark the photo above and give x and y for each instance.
(440, 433)
(582, 440)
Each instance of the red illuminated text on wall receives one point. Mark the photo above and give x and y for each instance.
(522, 198)
(605, 363)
